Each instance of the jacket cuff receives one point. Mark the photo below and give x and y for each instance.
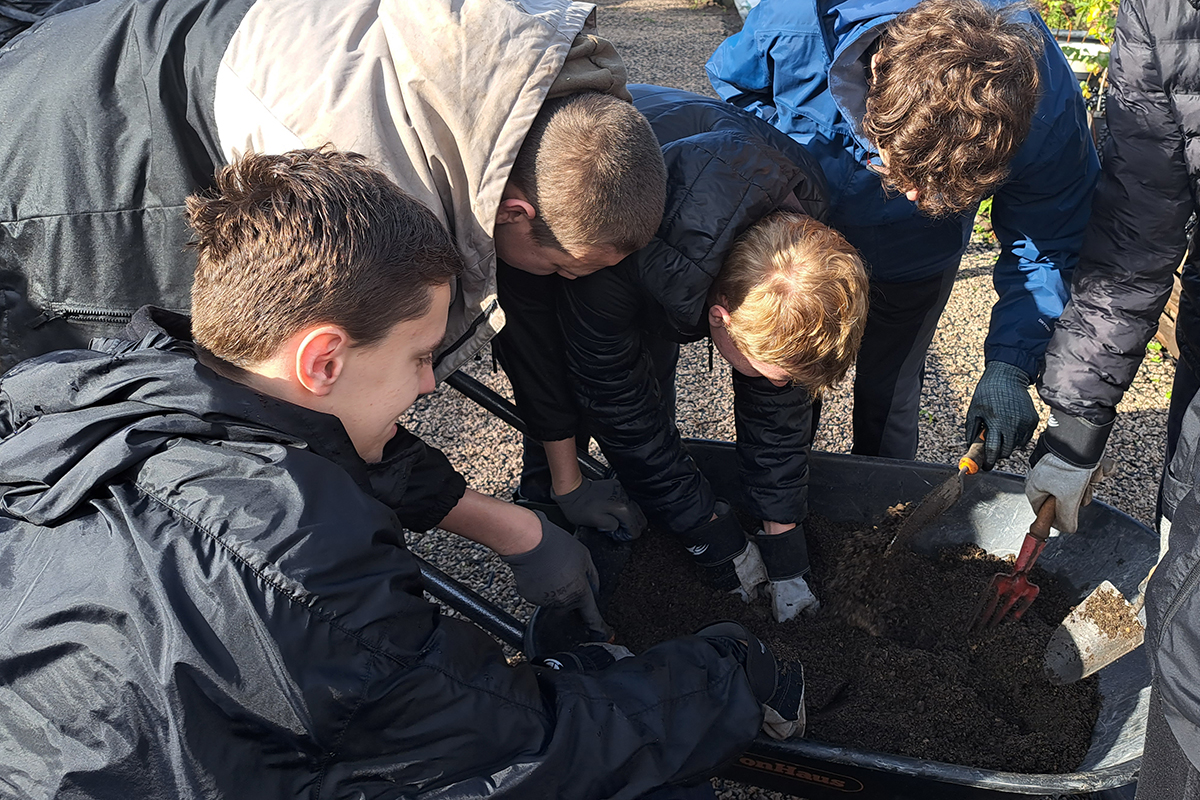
(785, 555)
(1028, 363)
(733, 638)
(1073, 439)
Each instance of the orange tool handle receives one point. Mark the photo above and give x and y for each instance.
(970, 462)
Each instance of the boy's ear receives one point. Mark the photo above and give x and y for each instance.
(718, 316)
(320, 358)
(514, 209)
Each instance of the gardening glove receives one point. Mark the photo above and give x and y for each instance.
(1002, 407)
(1067, 463)
(586, 657)
(730, 562)
(559, 573)
(785, 557)
(778, 685)
(605, 506)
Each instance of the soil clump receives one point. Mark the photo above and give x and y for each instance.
(889, 663)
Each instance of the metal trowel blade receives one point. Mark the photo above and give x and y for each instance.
(1098, 631)
(931, 506)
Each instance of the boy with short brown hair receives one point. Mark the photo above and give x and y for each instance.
(213, 571)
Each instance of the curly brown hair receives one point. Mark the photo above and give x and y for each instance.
(954, 87)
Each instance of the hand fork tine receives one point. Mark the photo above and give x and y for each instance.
(1014, 591)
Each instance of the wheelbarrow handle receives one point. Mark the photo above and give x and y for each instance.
(507, 412)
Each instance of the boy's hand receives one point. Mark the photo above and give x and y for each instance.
(785, 556)
(559, 573)
(603, 505)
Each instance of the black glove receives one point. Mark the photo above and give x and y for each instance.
(1067, 462)
(1002, 407)
(605, 506)
(720, 547)
(779, 686)
(586, 657)
(559, 573)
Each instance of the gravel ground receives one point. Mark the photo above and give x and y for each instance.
(667, 42)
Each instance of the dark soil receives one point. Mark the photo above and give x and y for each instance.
(889, 663)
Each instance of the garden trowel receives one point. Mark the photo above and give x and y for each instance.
(934, 504)
(1098, 631)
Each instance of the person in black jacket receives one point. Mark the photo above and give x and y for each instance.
(721, 257)
(1137, 237)
(206, 589)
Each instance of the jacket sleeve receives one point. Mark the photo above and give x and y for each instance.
(774, 435)
(455, 720)
(621, 401)
(530, 348)
(1135, 239)
(1039, 216)
(392, 698)
(416, 481)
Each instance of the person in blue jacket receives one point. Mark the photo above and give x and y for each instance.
(917, 111)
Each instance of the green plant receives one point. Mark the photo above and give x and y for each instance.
(983, 222)
(1098, 20)
(1155, 348)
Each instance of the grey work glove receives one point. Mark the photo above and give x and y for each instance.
(730, 562)
(1066, 464)
(559, 573)
(603, 505)
(1002, 407)
(785, 557)
(779, 686)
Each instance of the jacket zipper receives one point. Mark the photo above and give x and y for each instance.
(1184, 591)
(84, 314)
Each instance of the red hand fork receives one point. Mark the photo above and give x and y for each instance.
(1014, 591)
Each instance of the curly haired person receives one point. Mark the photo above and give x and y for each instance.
(917, 111)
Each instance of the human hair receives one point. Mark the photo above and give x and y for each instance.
(592, 168)
(951, 98)
(309, 237)
(796, 292)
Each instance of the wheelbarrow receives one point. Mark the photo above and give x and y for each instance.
(993, 514)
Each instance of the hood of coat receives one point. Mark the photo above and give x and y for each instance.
(439, 94)
(72, 420)
(726, 170)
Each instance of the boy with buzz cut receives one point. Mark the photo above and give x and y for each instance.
(742, 259)
(207, 586)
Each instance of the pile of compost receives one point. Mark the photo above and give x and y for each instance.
(889, 662)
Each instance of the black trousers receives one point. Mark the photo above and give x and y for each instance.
(535, 470)
(890, 370)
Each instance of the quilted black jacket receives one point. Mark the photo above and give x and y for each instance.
(1136, 236)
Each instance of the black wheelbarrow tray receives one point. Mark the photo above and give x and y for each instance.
(992, 513)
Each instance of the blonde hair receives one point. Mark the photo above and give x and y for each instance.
(796, 292)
